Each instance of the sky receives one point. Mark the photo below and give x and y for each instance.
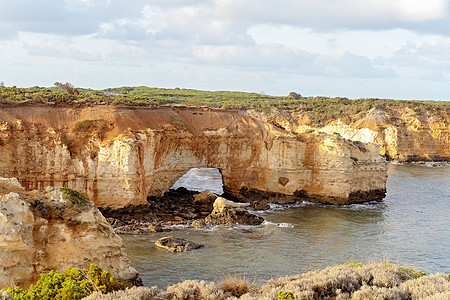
(398, 49)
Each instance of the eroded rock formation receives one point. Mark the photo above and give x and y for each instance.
(46, 230)
(176, 244)
(402, 133)
(227, 212)
(117, 156)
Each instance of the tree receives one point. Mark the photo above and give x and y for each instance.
(67, 87)
(294, 95)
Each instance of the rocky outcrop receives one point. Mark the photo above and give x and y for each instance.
(205, 200)
(227, 212)
(260, 205)
(176, 244)
(51, 230)
(403, 134)
(119, 156)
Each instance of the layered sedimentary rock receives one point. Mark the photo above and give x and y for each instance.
(402, 133)
(117, 156)
(46, 230)
(226, 212)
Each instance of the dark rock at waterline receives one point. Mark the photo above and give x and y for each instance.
(260, 205)
(153, 228)
(198, 223)
(176, 244)
(227, 212)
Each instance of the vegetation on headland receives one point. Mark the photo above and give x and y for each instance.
(319, 110)
(348, 281)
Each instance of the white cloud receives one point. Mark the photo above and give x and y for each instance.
(220, 43)
(331, 14)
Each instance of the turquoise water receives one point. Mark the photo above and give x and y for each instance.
(410, 226)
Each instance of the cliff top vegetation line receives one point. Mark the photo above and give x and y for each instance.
(319, 110)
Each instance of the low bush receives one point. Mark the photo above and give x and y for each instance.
(74, 196)
(134, 293)
(195, 290)
(83, 125)
(71, 284)
(286, 295)
(177, 122)
(235, 285)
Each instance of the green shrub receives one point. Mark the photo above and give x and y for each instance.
(83, 125)
(286, 295)
(355, 159)
(353, 265)
(74, 196)
(178, 122)
(413, 273)
(276, 124)
(72, 284)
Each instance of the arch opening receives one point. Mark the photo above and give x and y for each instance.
(200, 180)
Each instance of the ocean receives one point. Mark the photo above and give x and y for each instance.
(411, 227)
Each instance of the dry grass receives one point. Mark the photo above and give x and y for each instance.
(195, 290)
(134, 293)
(235, 285)
(352, 281)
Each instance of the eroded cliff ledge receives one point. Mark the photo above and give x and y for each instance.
(117, 156)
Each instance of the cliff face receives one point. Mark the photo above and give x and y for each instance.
(403, 135)
(44, 230)
(120, 155)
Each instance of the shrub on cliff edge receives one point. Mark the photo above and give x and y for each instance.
(72, 284)
(74, 196)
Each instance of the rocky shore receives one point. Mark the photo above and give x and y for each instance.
(181, 207)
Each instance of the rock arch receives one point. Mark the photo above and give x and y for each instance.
(132, 152)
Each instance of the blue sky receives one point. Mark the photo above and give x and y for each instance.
(352, 48)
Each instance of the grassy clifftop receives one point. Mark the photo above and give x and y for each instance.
(319, 110)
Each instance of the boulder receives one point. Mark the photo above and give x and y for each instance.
(56, 229)
(204, 201)
(176, 244)
(8, 185)
(260, 205)
(198, 223)
(227, 212)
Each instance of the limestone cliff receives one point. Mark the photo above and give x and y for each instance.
(118, 156)
(402, 133)
(45, 230)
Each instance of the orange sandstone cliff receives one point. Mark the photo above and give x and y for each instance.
(117, 156)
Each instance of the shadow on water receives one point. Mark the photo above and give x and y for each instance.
(411, 226)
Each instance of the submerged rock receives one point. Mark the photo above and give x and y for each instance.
(153, 228)
(227, 212)
(176, 244)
